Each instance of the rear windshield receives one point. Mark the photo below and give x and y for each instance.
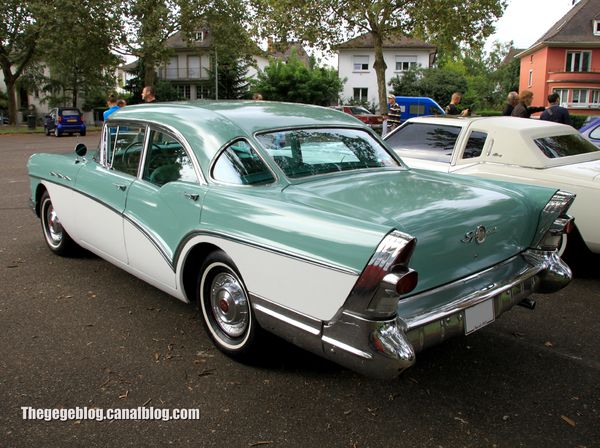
(564, 145)
(428, 141)
(69, 112)
(309, 152)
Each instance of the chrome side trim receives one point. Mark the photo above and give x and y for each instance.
(287, 320)
(273, 250)
(346, 347)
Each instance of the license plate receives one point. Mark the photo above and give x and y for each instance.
(479, 316)
(72, 121)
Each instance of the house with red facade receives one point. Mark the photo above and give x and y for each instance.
(566, 60)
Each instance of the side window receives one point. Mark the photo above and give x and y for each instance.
(425, 141)
(474, 145)
(167, 161)
(239, 164)
(124, 147)
(595, 134)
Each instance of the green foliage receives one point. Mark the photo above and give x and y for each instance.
(578, 120)
(451, 24)
(166, 91)
(436, 83)
(233, 83)
(76, 43)
(296, 83)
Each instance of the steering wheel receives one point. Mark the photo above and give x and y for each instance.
(126, 160)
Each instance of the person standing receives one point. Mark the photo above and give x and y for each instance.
(511, 101)
(555, 112)
(452, 108)
(112, 106)
(524, 109)
(393, 116)
(148, 94)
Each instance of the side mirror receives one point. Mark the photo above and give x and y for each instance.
(80, 149)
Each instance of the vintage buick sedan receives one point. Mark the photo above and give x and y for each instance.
(298, 220)
(510, 149)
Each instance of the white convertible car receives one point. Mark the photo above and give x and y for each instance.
(511, 149)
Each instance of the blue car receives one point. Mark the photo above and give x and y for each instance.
(416, 106)
(591, 130)
(64, 120)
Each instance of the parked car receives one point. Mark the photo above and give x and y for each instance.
(417, 106)
(517, 150)
(591, 131)
(64, 120)
(299, 220)
(372, 120)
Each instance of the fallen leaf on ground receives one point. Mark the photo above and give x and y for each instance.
(571, 422)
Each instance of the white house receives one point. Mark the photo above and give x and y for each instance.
(357, 56)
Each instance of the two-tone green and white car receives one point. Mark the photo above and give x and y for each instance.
(300, 221)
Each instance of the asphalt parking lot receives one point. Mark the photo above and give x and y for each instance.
(78, 332)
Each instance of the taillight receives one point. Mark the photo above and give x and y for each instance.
(385, 278)
(554, 222)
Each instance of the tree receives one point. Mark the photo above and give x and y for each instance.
(146, 25)
(450, 23)
(20, 29)
(295, 82)
(436, 83)
(77, 43)
(232, 79)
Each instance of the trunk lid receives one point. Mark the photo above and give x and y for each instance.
(443, 212)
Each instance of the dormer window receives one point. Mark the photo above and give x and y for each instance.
(199, 36)
(596, 28)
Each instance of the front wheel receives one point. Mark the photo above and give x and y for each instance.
(56, 236)
(226, 310)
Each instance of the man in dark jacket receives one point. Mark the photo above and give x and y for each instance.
(524, 108)
(555, 112)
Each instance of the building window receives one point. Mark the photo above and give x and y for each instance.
(563, 95)
(579, 96)
(184, 91)
(199, 36)
(405, 63)
(595, 97)
(596, 27)
(578, 61)
(530, 80)
(171, 69)
(360, 93)
(193, 63)
(361, 63)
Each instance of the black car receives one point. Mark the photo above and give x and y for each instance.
(64, 120)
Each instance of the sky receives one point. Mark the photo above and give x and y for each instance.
(525, 21)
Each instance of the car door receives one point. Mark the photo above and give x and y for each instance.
(163, 205)
(103, 185)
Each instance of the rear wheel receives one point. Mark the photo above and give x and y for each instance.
(56, 237)
(225, 307)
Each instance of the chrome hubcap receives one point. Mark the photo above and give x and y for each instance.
(229, 304)
(55, 231)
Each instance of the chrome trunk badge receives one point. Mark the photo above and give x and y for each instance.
(479, 235)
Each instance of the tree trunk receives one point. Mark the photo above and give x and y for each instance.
(149, 73)
(12, 99)
(380, 68)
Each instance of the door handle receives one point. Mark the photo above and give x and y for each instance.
(192, 196)
(120, 187)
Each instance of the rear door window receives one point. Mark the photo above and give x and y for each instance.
(426, 141)
(474, 145)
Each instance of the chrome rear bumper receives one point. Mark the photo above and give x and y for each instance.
(383, 349)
